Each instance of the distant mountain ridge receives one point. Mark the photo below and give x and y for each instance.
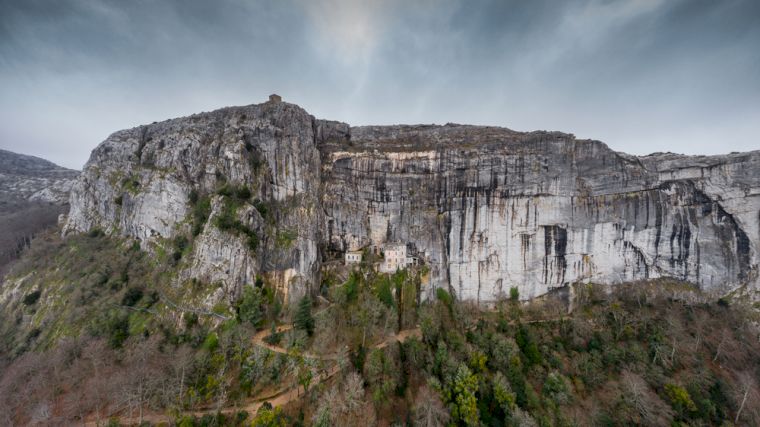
(33, 192)
(29, 178)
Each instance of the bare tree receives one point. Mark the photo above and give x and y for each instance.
(651, 410)
(747, 398)
(181, 363)
(353, 392)
(428, 409)
(142, 375)
(89, 375)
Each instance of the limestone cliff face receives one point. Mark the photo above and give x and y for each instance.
(140, 183)
(492, 208)
(486, 208)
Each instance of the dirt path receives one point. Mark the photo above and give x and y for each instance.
(260, 340)
(401, 336)
(281, 397)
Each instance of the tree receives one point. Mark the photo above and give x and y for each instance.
(527, 344)
(304, 373)
(353, 392)
(428, 409)
(383, 291)
(380, 370)
(144, 374)
(503, 393)
(462, 396)
(269, 417)
(304, 320)
(323, 416)
(680, 399)
(648, 408)
(250, 306)
(746, 392)
(556, 387)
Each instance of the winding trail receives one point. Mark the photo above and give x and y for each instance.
(292, 392)
(280, 397)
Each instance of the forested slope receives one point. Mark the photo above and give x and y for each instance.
(92, 329)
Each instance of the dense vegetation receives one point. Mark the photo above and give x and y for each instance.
(93, 328)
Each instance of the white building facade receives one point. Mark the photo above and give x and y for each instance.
(353, 257)
(395, 258)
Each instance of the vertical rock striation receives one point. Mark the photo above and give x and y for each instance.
(487, 208)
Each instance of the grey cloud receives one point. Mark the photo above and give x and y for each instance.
(650, 75)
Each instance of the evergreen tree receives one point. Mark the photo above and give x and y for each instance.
(304, 320)
(250, 307)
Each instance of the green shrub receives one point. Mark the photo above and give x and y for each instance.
(132, 296)
(201, 211)
(180, 243)
(211, 342)
(131, 184)
(191, 319)
(517, 381)
(255, 160)
(117, 329)
(445, 297)
(193, 196)
(242, 193)
(269, 417)
(95, 232)
(227, 221)
(262, 207)
(32, 297)
(259, 283)
(285, 238)
(225, 190)
(274, 337)
(239, 193)
(680, 399)
(514, 294)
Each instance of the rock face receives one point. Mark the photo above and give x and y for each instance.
(486, 208)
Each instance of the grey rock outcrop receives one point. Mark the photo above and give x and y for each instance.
(487, 208)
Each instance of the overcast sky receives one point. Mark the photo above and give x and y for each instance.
(643, 76)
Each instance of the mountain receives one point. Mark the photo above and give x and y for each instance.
(169, 295)
(27, 178)
(33, 193)
(485, 208)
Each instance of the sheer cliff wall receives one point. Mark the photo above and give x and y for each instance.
(486, 208)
